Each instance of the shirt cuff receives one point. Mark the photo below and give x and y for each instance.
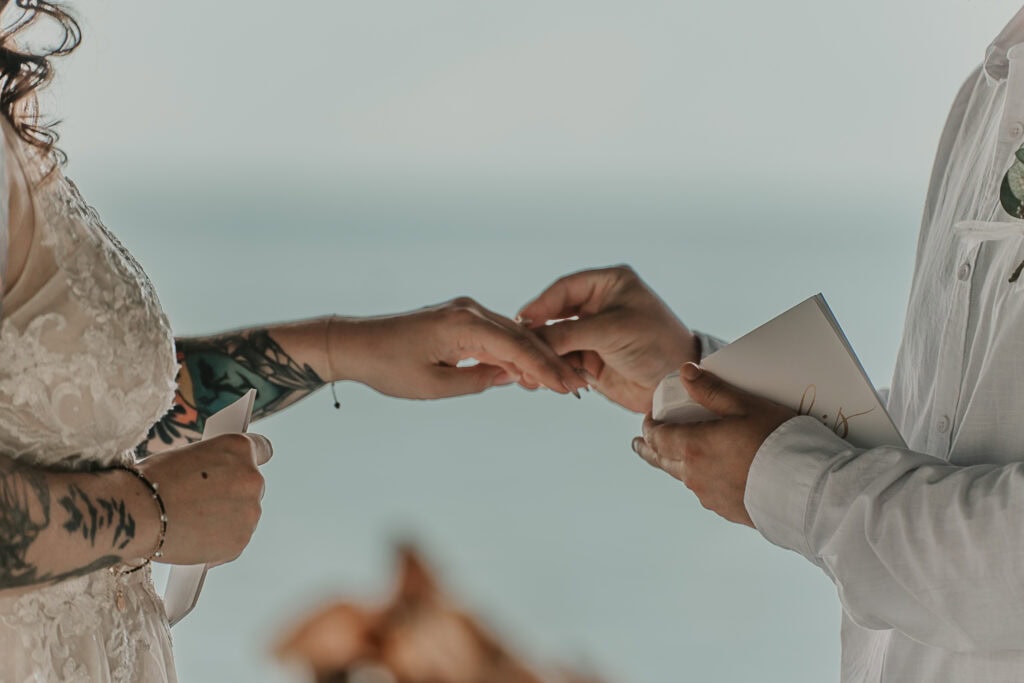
(708, 343)
(785, 481)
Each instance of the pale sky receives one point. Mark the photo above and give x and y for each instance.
(849, 95)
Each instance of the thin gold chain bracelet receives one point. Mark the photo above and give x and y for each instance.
(154, 490)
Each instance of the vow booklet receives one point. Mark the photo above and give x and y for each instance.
(186, 581)
(802, 360)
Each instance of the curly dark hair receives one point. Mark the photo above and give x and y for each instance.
(24, 71)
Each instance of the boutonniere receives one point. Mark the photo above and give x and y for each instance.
(1011, 193)
(1011, 196)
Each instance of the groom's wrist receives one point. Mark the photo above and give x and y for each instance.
(687, 349)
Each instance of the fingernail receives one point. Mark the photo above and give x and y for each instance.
(690, 371)
(635, 445)
(523, 321)
(571, 390)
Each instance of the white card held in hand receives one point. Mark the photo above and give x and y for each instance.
(186, 581)
(802, 360)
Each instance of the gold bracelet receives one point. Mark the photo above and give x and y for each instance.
(119, 573)
(154, 490)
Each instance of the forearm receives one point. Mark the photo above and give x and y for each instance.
(56, 526)
(913, 543)
(284, 362)
(413, 355)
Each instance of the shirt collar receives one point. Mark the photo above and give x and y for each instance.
(997, 64)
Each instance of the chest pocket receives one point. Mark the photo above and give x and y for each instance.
(1004, 241)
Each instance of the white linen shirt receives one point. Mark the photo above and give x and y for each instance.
(926, 545)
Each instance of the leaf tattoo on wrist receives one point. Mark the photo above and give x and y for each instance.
(89, 518)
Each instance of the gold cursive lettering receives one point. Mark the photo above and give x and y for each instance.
(807, 400)
(842, 423)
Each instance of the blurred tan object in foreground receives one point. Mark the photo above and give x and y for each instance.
(418, 636)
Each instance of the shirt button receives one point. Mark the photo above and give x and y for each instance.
(943, 424)
(963, 272)
(1016, 130)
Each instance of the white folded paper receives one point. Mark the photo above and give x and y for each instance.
(185, 582)
(802, 360)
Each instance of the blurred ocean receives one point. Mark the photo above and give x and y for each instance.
(532, 506)
(268, 162)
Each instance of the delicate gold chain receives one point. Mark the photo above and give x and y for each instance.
(154, 490)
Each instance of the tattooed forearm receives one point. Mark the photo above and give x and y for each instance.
(215, 371)
(224, 368)
(24, 513)
(89, 518)
(178, 427)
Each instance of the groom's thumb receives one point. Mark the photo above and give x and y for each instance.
(711, 392)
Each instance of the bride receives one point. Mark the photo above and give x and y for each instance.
(101, 407)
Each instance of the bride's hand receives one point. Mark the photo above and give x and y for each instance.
(417, 354)
(212, 490)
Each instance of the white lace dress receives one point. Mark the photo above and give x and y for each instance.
(86, 367)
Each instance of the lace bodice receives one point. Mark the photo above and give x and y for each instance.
(86, 367)
(87, 361)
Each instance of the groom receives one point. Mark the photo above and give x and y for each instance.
(924, 545)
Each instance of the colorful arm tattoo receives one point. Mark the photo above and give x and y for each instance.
(215, 371)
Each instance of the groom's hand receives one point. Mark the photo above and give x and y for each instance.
(625, 336)
(713, 458)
